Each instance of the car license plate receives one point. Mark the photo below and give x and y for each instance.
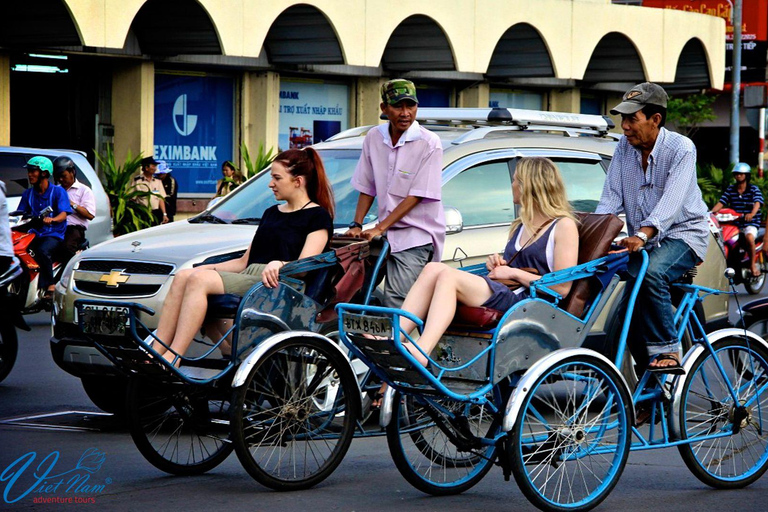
(362, 324)
(104, 320)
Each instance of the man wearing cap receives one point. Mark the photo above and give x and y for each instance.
(147, 182)
(50, 237)
(401, 165)
(171, 187)
(652, 179)
(81, 200)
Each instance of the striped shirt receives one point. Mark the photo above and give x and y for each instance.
(743, 203)
(665, 196)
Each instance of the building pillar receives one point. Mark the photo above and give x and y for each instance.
(565, 100)
(365, 100)
(260, 104)
(133, 109)
(5, 100)
(476, 96)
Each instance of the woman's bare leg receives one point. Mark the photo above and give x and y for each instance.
(169, 316)
(194, 305)
(420, 295)
(452, 286)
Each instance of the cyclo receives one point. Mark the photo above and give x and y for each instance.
(518, 389)
(287, 399)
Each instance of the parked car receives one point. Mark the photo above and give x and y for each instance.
(13, 173)
(478, 165)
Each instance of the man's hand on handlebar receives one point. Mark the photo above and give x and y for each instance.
(353, 232)
(632, 243)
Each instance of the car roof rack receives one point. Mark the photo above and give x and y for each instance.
(488, 120)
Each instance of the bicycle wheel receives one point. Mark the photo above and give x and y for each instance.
(436, 444)
(571, 438)
(294, 417)
(180, 429)
(733, 450)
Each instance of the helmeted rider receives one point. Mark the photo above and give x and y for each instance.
(81, 200)
(745, 198)
(50, 237)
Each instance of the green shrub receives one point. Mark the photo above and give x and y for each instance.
(128, 215)
(262, 160)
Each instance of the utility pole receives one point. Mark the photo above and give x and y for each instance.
(736, 81)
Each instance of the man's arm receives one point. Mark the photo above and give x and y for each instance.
(87, 206)
(405, 206)
(611, 200)
(364, 202)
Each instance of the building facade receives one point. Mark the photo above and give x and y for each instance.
(189, 81)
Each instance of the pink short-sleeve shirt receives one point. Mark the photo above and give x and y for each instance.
(413, 167)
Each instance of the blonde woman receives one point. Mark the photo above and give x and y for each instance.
(231, 179)
(544, 237)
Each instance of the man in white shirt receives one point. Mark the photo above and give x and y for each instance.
(81, 199)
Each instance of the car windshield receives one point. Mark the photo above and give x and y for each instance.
(248, 202)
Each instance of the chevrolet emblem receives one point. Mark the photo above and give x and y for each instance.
(114, 278)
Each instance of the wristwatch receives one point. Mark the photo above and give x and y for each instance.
(353, 225)
(642, 236)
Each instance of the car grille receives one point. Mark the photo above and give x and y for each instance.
(130, 267)
(141, 278)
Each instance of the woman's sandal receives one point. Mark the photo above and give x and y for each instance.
(673, 369)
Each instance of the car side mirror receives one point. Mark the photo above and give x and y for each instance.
(454, 222)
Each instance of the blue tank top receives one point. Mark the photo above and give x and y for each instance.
(533, 256)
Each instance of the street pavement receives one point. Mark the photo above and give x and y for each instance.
(116, 477)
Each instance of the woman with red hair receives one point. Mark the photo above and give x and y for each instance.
(299, 227)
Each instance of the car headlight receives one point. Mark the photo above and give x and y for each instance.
(66, 276)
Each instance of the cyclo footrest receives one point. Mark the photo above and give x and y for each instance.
(382, 353)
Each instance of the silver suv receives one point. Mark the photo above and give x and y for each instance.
(481, 149)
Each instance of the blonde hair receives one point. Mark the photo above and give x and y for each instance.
(541, 189)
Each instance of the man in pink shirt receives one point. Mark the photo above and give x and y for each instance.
(82, 201)
(401, 165)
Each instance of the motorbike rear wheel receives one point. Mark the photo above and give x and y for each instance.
(754, 285)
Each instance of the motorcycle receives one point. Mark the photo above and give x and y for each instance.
(736, 252)
(9, 319)
(27, 295)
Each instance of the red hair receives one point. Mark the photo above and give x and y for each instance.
(307, 163)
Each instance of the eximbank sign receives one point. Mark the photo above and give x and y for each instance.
(194, 124)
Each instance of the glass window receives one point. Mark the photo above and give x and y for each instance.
(251, 200)
(13, 173)
(483, 194)
(583, 183)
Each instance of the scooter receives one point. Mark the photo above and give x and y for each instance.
(736, 253)
(24, 290)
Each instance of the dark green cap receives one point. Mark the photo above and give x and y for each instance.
(398, 90)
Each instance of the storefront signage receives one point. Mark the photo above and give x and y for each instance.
(311, 112)
(194, 124)
(754, 30)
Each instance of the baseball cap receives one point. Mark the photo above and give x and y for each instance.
(639, 96)
(43, 163)
(162, 167)
(150, 160)
(397, 90)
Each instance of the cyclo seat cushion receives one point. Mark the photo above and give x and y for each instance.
(596, 234)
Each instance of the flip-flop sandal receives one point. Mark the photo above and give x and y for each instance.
(675, 369)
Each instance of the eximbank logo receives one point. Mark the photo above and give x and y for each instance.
(184, 122)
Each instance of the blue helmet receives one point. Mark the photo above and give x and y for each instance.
(741, 168)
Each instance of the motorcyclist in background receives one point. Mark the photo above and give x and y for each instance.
(83, 204)
(746, 199)
(50, 237)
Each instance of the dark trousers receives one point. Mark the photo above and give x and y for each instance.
(44, 248)
(73, 238)
(158, 215)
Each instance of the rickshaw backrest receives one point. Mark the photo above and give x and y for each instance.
(596, 234)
